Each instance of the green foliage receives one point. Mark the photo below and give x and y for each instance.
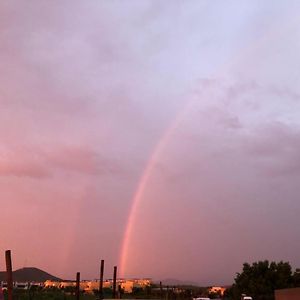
(200, 292)
(261, 279)
(46, 294)
(69, 290)
(107, 292)
(140, 293)
(214, 295)
(296, 278)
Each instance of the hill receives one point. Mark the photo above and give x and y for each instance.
(176, 282)
(30, 274)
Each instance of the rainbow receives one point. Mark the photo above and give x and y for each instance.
(164, 140)
(157, 152)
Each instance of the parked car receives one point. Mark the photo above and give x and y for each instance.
(246, 298)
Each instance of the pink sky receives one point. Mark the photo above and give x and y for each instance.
(89, 91)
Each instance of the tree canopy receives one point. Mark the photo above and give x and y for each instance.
(262, 278)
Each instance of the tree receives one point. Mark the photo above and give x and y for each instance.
(296, 278)
(260, 279)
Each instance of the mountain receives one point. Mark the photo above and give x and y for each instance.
(176, 282)
(30, 274)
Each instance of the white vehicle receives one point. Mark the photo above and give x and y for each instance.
(4, 286)
(246, 298)
(201, 298)
(21, 285)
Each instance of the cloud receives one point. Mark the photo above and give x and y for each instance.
(83, 160)
(284, 93)
(244, 125)
(12, 167)
(275, 147)
(88, 90)
(41, 163)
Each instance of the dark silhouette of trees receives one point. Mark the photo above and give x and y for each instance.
(262, 278)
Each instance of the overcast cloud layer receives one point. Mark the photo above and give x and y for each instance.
(87, 91)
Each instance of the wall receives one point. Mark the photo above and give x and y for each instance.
(288, 294)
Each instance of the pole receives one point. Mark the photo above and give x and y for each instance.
(9, 277)
(101, 280)
(114, 283)
(119, 291)
(161, 291)
(77, 292)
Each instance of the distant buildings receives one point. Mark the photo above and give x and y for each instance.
(127, 285)
(91, 286)
(21, 285)
(217, 290)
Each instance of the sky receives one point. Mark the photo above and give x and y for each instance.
(161, 136)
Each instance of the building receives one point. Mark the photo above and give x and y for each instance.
(217, 290)
(89, 286)
(287, 294)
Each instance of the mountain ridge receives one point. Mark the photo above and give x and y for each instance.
(29, 274)
(176, 282)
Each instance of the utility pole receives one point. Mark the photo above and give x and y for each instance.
(167, 297)
(101, 280)
(9, 277)
(114, 282)
(161, 290)
(77, 291)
